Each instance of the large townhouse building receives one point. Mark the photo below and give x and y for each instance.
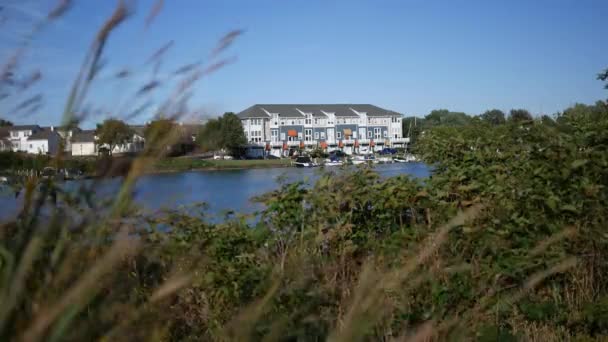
(354, 128)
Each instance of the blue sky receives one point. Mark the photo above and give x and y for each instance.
(410, 56)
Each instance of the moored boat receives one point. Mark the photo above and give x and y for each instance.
(304, 162)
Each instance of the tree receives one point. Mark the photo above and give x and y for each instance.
(493, 117)
(114, 132)
(412, 127)
(225, 132)
(519, 115)
(209, 137)
(5, 123)
(444, 117)
(603, 76)
(160, 132)
(232, 133)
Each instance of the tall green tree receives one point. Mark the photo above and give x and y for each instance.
(232, 133)
(160, 132)
(5, 123)
(225, 132)
(444, 117)
(114, 132)
(209, 137)
(519, 115)
(603, 76)
(493, 117)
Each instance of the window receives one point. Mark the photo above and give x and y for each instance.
(308, 120)
(282, 136)
(354, 134)
(256, 136)
(308, 134)
(377, 133)
(316, 135)
(293, 122)
(300, 135)
(386, 134)
(369, 134)
(282, 122)
(322, 135)
(339, 135)
(316, 121)
(274, 135)
(15, 134)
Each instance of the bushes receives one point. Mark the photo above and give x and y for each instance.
(506, 240)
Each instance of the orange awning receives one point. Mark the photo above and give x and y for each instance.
(292, 133)
(348, 132)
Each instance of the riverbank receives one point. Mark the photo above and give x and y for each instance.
(190, 164)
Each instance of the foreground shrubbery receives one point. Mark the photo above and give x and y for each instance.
(506, 240)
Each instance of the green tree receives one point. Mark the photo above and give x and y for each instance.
(412, 127)
(232, 133)
(444, 117)
(225, 132)
(519, 115)
(5, 123)
(603, 76)
(493, 117)
(114, 132)
(161, 132)
(209, 137)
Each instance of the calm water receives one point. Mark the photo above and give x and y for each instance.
(221, 190)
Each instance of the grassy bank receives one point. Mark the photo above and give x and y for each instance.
(185, 164)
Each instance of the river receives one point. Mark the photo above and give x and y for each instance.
(221, 190)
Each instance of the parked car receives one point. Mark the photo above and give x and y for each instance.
(337, 153)
(388, 150)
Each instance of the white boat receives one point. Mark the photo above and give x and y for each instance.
(332, 163)
(400, 160)
(304, 162)
(358, 160)
(385, 160)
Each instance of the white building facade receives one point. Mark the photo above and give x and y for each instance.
(277, 129)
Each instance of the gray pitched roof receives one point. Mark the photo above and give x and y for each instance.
(293, 110)
(44, 134)
(4, 132)
(24, 128)
(84, 136)
(254, 111)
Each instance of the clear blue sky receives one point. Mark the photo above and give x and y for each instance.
(409, 56)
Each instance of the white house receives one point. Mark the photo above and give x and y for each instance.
(18, 136)
(281, 129)
(83, 143)
(45, 141)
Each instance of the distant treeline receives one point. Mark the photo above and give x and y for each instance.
(414, 126)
